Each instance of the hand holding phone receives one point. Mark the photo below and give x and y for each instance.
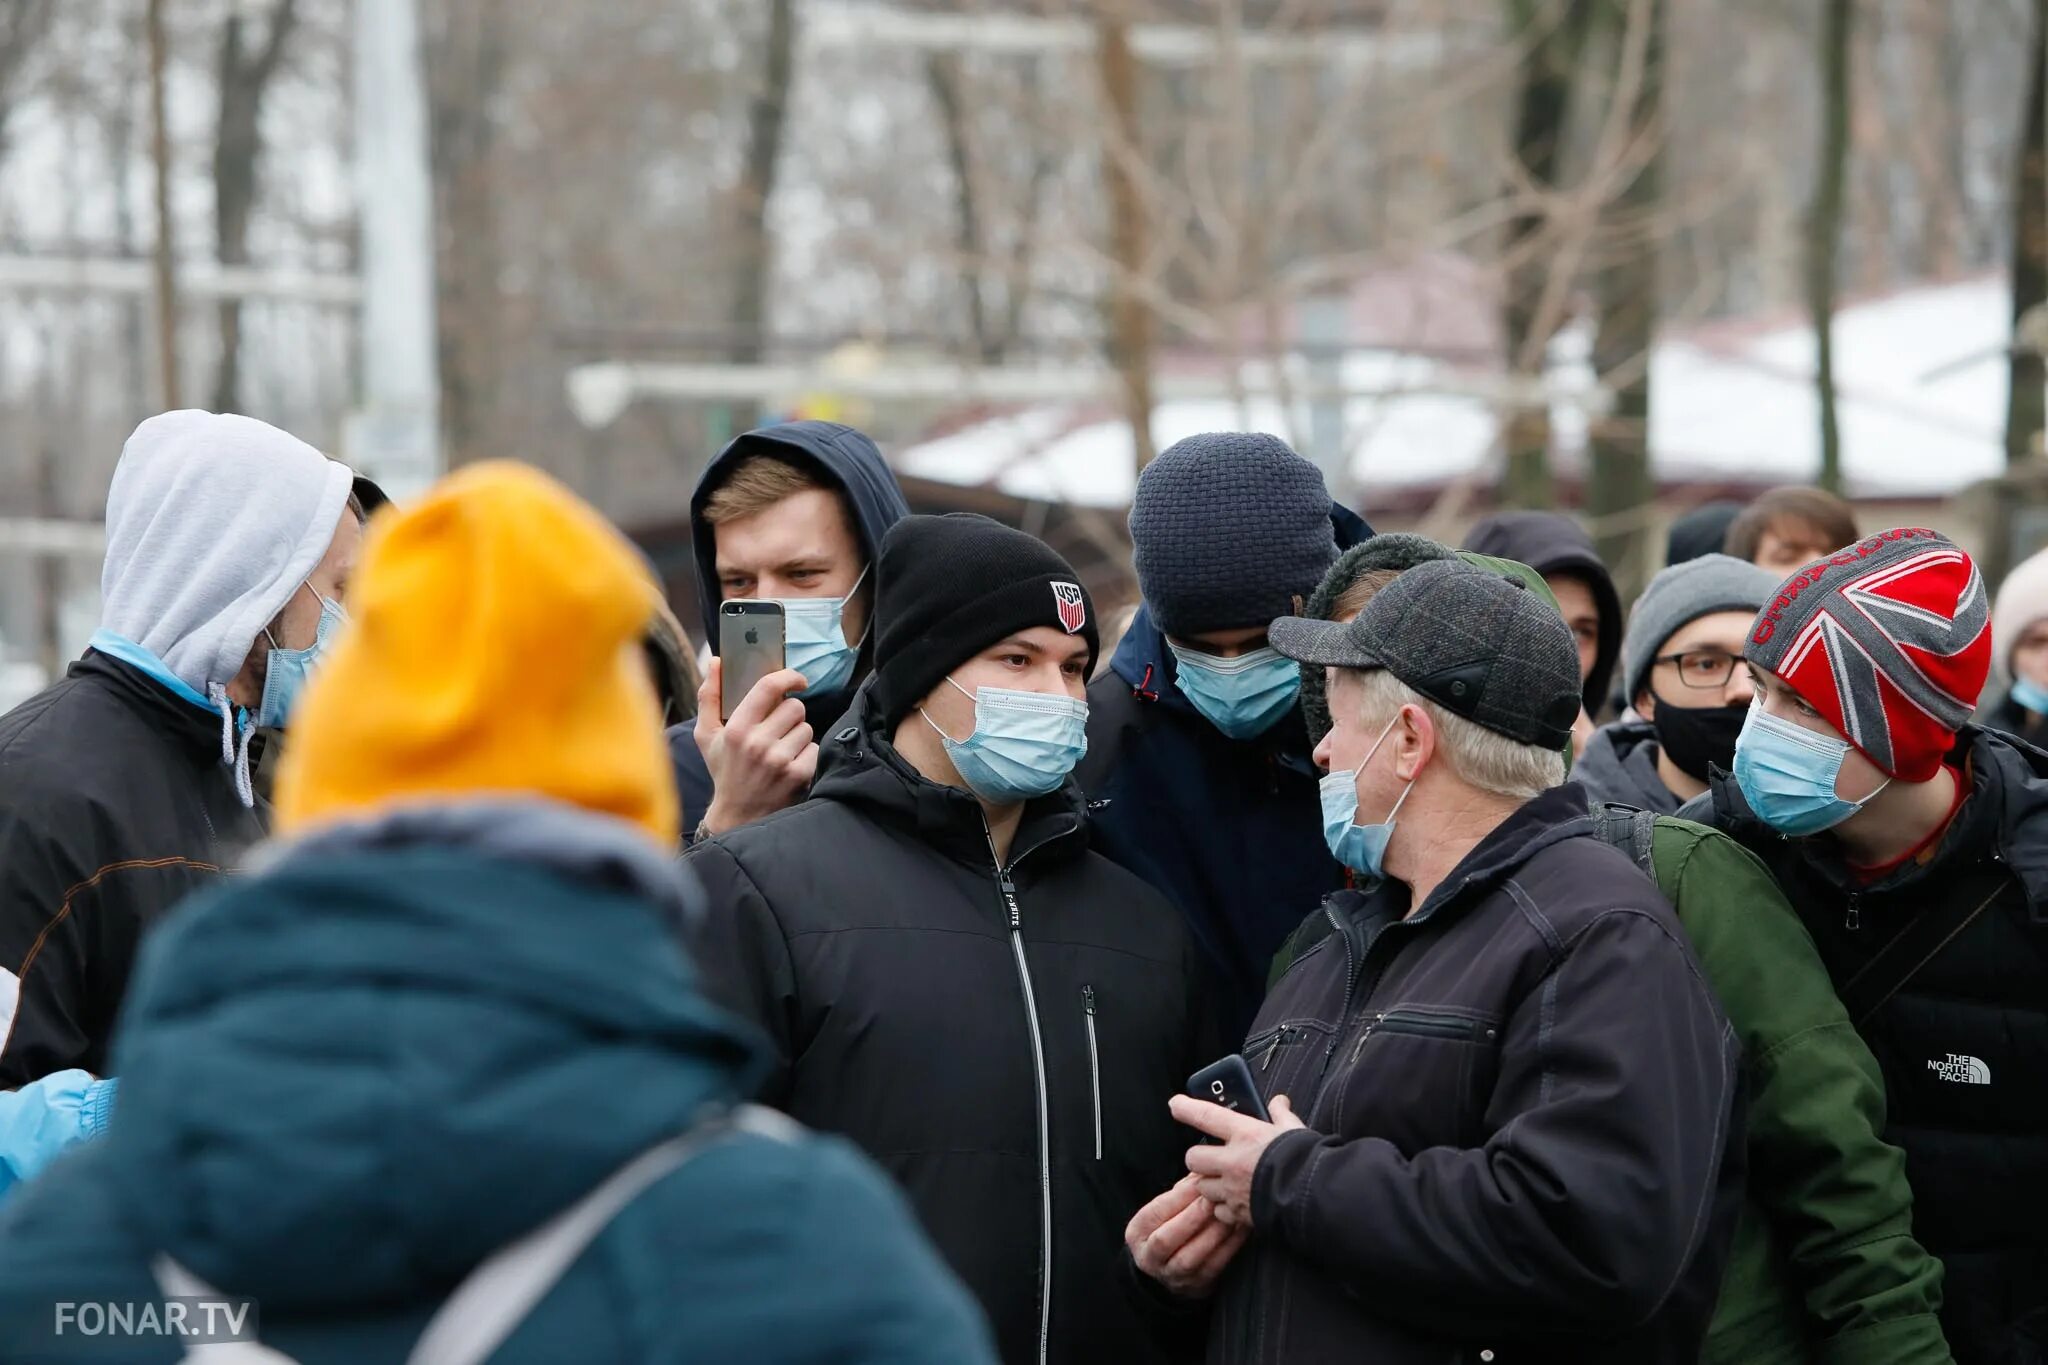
(757, 745)
(1230, 1084)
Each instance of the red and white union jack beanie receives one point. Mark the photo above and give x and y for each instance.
(1890, 639)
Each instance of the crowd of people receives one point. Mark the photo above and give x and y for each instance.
(400, 931)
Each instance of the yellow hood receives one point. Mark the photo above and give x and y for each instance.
(494, 647)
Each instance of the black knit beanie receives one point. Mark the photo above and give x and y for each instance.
(1227, 529)
(948, 587)
(1395, 550)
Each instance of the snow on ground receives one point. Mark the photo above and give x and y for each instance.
(1729, 404)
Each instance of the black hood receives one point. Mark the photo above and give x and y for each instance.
(858, 766)
(1550, 543)
(849, 458)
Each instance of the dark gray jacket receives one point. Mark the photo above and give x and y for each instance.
(1620, 765)
(1521, 1138)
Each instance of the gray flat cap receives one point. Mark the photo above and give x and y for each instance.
(1478, 644)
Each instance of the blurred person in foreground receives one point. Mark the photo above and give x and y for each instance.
(1788, 527)
(2019, 632)
(1915, 848)
(1197, 764)
(1547, 1179)
(793, 513)
(1682, 670)
(1823, 1267)
(948, 974)
(126, 786)
(449, 1006)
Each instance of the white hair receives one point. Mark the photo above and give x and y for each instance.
(1480, 757)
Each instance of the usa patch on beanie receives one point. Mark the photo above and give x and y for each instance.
(1889, 639)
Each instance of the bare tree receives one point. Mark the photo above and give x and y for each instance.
(23, 23)
(166, 245)
(1824, 222)
(2026, 411)
(244, 73)
(767, 117)
(1553, 38)
(1130, 321)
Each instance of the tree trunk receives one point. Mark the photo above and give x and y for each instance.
(767, 117)
(1130, 320)
(166, 246)
(1824, 225)
(1542, 117)
(1619, 485)
(2026, 410)
(465, 60)
(942, 74)
(244, 79)
(22, 25)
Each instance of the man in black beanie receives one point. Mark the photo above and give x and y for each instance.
(949, 976)
(1196, 746)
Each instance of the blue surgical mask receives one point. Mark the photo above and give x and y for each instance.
(2031, 695)
(814, 641)
(1362, 848)
(1024, 743)
(1787, 774)
(1242, 697)
(287, 670)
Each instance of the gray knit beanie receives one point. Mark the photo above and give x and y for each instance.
(1227, 530)
(1682, 594)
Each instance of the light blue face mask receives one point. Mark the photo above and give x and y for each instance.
(1362, 848)
(1024, 743)
(2031, 695)
(286, 673)
(814, 640)
(1242, 697)
(1787, 774)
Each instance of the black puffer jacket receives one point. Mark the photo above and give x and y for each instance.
(1004, 1044)
(1964, 1044)
(114, 806)
(1521, 1139)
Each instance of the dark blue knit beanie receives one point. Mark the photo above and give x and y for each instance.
(1228, 529)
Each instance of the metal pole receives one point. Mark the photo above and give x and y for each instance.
(166, 269)
(395, 433)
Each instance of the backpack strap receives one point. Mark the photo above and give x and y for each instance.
(507, 1286)
(1630, 830)
(1915, 945)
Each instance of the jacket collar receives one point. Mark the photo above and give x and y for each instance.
(1545, 819)
(188, 726)
(858, 766)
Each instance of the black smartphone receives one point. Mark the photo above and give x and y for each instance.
(1230, 1084)
(750, 647)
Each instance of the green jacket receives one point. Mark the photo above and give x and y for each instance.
(1824, 1267)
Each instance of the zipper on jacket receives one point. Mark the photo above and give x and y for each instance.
(1094, 1066)
(1420, 1023)
(1852, 920)
(1008, 888)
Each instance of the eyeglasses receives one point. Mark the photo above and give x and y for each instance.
(1702, 668)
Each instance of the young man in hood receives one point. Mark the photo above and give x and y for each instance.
(1501, 1091)
(1196, 753)
(793, 513)
(126, 785)
(1558, 548)
(1682, 667)
(1915, 848)
(947, 973)
(451, 1007)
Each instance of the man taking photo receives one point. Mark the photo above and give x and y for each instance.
(1501, 1092)
(793, 513)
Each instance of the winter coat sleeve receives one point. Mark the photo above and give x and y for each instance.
(743, 958)
(46, 956)
(1833, 1190)
(45, 1117)
(1608, 1119)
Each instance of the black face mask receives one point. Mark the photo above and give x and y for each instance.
(1694, 736)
